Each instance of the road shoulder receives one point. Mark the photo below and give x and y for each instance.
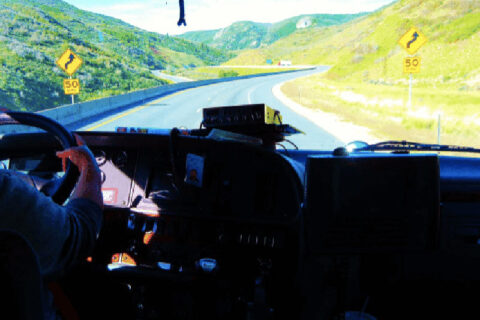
(342, 130)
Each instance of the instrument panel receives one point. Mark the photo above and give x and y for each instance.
(180, 202)
(211, 180)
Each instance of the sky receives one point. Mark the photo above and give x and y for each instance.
(162, 15)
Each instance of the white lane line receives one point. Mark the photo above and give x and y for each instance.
(249, 95)
(199, 109)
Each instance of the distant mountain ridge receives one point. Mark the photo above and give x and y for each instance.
(118, 57)
(250, 35)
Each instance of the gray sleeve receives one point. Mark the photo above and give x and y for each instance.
(60, 235)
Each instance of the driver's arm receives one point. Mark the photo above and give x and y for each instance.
(60, 235)
(89, 183)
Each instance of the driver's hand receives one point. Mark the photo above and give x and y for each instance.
(89, 183)
(80, 156)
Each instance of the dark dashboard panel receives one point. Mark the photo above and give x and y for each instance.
(238, 207)
(238, 186)
(237, 181)
(244, 202)
(117, 170)
(238, 213)
(372, 203)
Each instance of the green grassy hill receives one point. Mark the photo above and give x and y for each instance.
(239, 35)
(118, 57)
(248, 34)
(366, 84)
(367, 48)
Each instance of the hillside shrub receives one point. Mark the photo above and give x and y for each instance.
(227, 73)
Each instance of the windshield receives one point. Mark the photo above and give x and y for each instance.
(338, 71)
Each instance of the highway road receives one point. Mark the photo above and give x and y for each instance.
(184, 109)
(174, 79)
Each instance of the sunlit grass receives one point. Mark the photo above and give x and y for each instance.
(384, 108)
(366, 84)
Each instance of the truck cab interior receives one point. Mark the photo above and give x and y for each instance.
(216, 223)
(219, 223)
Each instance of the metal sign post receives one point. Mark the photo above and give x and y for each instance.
(409, 92)
(439, 128)
(73, 96)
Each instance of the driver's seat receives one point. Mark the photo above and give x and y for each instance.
(21, 283)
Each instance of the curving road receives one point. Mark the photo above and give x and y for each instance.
(184, 109)
(174, 79)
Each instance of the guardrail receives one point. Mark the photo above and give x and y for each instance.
(71, 115)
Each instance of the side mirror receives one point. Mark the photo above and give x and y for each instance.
(357, 144)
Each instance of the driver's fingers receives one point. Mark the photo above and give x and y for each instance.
(64, 155)
(79, 140)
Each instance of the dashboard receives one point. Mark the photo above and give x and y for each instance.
(200, 195)
(241, 231)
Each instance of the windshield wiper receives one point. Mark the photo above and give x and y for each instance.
(413, 146)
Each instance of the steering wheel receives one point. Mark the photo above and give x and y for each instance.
(58, 189)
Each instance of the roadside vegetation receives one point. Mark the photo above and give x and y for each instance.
(117, 57)
(384, 110)
(366, 84)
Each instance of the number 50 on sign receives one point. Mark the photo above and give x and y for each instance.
(71, 86)
(411, 65)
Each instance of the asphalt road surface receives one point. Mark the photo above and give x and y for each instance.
(175, 79)
(184, 109)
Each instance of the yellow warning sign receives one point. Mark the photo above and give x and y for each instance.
(412, 40)
(411, 65)
(71, 86)
(69, 62)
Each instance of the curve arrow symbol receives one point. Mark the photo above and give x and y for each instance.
(415, 36)
(71, 57)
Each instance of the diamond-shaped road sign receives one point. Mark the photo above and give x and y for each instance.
(412, 40)
(69, 62)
